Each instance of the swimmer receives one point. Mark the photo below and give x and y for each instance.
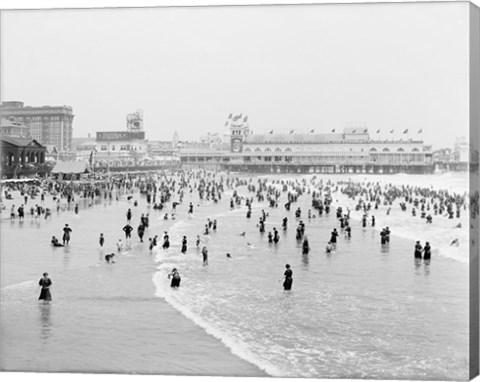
(243, 233)
(109, 258)
(175, 278)
(55, 242)
(329, 247)
(455, 242)
(229, 256)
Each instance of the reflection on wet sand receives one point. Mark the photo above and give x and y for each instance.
(45, 310)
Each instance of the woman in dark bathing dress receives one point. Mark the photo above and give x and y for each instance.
(45, 283)
(287, 284)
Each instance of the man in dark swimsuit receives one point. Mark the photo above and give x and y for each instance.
(66, 234)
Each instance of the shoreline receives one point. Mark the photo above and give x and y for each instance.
(181, 346)
(139, 331)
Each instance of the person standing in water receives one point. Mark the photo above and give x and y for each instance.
(305, 246)
(175, 278)
(101, 240)
(333, 238)
(128, 231)
(427, 251)
(184, 244)
(141, 232)
(45, 284)
(418, 250)
(276, 238)
(119, 246)
(66, 234)
(166, 241)
(205, 255)
(287, 283)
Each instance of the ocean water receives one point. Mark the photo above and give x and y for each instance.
(363, 311)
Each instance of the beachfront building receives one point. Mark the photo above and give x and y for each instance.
(162, 153)
(120, 146)
(49, 125)
(461, 153)
(22, 157)
(14, 129)
(83, 148)
(70, 170)
(351, 151)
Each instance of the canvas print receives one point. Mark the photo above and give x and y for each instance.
(268, 191)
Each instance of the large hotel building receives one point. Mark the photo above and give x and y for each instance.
(49, 125)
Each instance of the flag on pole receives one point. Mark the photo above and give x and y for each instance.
(240, 116)
(420, 131)
(391, 131)
(333, 130)
(405, 131)
(365, 130)
(236, 118)
(291, 131)
(378, 131)
(245, 119)
(271, 132)
(226, 123)
(353, 131)
(230, 116)
(312, 131)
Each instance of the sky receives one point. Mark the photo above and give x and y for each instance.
(323, 67)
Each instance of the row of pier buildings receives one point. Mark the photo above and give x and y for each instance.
(352, 150)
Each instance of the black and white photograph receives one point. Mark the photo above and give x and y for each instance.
(249, 190)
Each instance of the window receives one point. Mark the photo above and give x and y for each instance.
(113, 147)
(103, 148)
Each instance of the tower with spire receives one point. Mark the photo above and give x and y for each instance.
(238, 128)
